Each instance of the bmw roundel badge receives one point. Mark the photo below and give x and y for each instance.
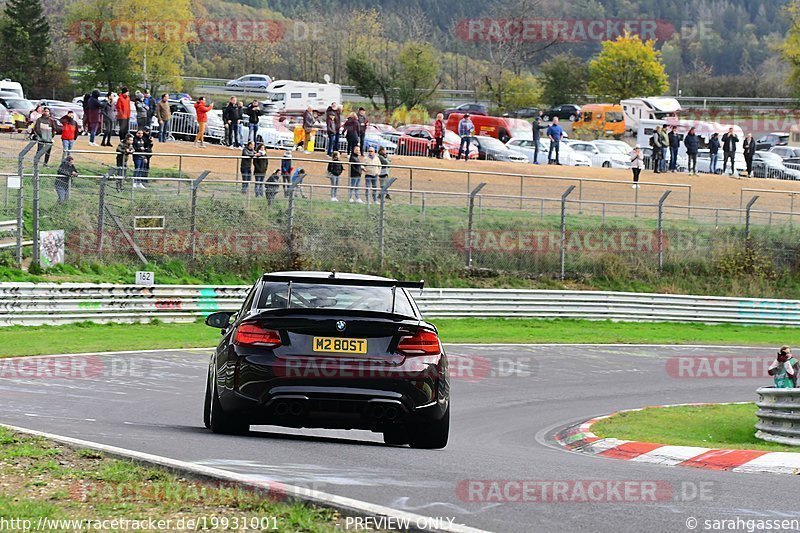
(340, 325)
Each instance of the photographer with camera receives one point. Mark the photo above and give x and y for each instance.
(784, 369)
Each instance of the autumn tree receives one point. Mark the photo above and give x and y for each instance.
(513, 91)
(627, 67)
(564, 77)
(419, 70)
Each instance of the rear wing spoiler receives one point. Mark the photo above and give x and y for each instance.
(344, 281)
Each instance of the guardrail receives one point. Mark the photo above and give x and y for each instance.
(778, 415)
(48, 303)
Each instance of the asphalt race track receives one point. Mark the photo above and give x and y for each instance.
(501, 430)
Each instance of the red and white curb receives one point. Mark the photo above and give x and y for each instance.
(579, 438)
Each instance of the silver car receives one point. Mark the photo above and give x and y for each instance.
(251, 81)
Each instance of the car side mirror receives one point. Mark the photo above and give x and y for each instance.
(220, 320)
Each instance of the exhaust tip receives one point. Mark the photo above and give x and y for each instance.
(282, 409)
(391, 413)
(296, 409)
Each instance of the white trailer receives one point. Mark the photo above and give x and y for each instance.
(294, 97)
(655, 108)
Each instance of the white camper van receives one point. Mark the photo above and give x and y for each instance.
(293, 97)
(8, 86)
(655, 108)
(703, 129)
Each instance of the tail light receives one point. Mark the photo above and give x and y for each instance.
(423, 342)
(250, 334)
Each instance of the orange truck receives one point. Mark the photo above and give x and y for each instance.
(600, 120)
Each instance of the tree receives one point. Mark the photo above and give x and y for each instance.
(627, 67)
(564, 77)
(511, 91)
(105, 62)
(419, 73)
(25, 37)
(364, 77)
(791, 47)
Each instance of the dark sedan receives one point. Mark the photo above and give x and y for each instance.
(330, 350)
(525, 112)
(569, 112)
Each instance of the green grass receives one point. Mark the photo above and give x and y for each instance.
(709, 426)
(87, 337)
(49, 480)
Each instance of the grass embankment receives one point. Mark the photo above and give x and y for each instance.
(86, 337)
(44, 482)
(709, 426)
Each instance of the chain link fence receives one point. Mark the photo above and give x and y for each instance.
(229, 225)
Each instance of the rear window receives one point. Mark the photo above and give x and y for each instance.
(346, 298)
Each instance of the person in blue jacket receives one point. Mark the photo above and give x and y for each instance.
(555, 133)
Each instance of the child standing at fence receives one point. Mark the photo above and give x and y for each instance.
(272, 186)
(248, 152)
(637, 164)
(286, 171)
(335, 169)
(124, 151)
(384, 175)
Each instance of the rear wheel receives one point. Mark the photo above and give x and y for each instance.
(431, 435)
(606, 164)
(221, 422)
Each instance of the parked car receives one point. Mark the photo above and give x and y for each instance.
(770, 165)
(416, 139)
(58, 108)
(785, 152)
(251, 81)
(769, 140)
(602, 155)
(569, 112)
(595, 120)
(12, 102)
(525, 112)
(567, 156)
(6, 122)
(472, 109)
(492, 149)
(266, 367)
(502, 128)
(273, 132)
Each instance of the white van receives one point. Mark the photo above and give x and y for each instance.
(655, 108)
(8, 86)
(293, 97)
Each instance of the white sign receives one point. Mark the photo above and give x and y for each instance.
(51, 248)
(145, 278)
(13, 182)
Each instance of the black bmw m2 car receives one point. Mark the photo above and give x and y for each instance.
(330, 350)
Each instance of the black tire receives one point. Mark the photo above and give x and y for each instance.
(606, 164)
(219, 421)
(207, 402)
(431, 435)
(397, 435)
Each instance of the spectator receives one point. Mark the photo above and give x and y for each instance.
(664, 148)
(333, 123)
(372, 168)
(271, 188)
(384, 175)
(363, 122)
(69, 132)
(139, 159)
(229, 118)
(749, 147)
(438, 136)
(297, 178)
(713, 152)
(674, 141)
(84, 106)
(286, 171)
(163, 115)
(537, 135)
(43, 129)
(555, 133)
(465, 130)
(66, 171)
(637, 164)
(729, 141)
(355, 175)
(260, 163)
(692, 144)
(240, 119)
(148, 149)
(141, 111)
(246, 165)
(658, 154)
(93, 116)
(335, 170)
(150, 104)
(109, 117)
(123, 108)
(254, 113)
(35, 114)
(124, 150)
(308, 128)
(784, 369)
(202, 118)
(350, 130)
